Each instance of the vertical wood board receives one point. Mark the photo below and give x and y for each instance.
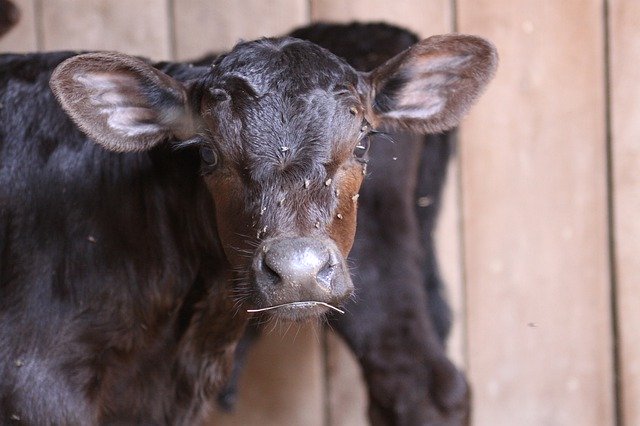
(625, 114)
(535, 218)
(424, 17)
(206, 26)
(347, 395)
(137, 27)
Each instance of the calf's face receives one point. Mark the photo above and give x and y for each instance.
(283, 128)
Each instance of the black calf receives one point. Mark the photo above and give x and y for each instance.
(144, 221)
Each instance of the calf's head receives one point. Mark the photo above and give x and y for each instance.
(283, 128)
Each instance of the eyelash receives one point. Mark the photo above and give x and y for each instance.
(364, 142)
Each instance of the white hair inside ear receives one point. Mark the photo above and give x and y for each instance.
(429, 87)
(121, 102)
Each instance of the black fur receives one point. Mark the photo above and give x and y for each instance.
(98, 256)
(115, 297)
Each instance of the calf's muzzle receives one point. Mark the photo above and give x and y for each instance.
(300, 276)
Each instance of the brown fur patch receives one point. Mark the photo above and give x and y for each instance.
(234, 227)
(342, 228)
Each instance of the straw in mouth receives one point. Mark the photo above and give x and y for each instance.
(305, 304)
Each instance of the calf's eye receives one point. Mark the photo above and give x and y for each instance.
(362, 148)
(209, 158)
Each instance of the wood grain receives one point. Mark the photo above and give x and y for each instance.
(216, 25)
(625, 114)
(535, 218)
(137, 27)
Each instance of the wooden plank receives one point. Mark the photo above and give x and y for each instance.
(282, 383)
(22, 37)
(625, 114)
(206, 26)
(535, 218)
(423, 17)
(347, 395)
(138, 27)
(345, 383)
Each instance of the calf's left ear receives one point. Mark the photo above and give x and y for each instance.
(122, 102)
(430, 86)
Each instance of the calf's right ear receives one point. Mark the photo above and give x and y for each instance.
(122, 102)
(430, 86)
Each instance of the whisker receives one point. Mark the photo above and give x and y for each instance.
(327, 324)
(287, 330)
(384, 135)
(297, 332)
(274, 320)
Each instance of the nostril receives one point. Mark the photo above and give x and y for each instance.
(302, 265)
(269, 273)
(326, 273)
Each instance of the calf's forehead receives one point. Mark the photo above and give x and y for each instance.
(291, 107)
(285, 65)
(315, 124)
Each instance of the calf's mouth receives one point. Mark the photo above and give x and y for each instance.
(299, 310)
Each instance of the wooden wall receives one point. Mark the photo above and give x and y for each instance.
(539, 239)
